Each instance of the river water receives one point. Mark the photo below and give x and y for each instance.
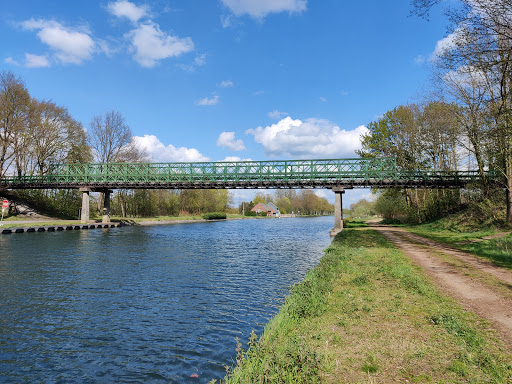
(145, 304)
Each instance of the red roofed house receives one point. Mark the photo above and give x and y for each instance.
(270, 209)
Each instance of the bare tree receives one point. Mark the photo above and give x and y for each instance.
(14, 114)
(482, 45)
(112, 142)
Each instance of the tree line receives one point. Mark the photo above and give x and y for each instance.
(465, 122)
(37, 133)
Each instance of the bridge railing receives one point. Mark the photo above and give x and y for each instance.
(366, 172)
(292, 170)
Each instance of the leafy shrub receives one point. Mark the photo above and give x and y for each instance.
(215, 216)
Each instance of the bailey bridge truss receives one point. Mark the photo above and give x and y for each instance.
(378, 172)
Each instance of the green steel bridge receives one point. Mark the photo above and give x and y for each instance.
(378, 172)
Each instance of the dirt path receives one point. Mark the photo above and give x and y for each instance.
(478, 285)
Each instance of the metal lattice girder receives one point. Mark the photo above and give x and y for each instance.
(378, 172)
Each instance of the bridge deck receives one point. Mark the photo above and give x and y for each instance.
(380, 172)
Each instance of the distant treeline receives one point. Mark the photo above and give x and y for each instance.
(303, 202)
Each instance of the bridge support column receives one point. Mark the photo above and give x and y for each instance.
(106, 206)
(84, 214)
(338, 211)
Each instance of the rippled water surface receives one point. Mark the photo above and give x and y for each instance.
(145, 304)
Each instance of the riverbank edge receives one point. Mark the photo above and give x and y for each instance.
(365, 313)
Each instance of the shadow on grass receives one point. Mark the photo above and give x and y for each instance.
(499, 251)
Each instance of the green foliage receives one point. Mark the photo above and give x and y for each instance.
(215, 216)
(153, 203)
(391, 204)
(63, 203)
(363, 208)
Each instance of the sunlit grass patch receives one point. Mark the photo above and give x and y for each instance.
(367, 314)
(498, 250)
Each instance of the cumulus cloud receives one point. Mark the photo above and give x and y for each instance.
(123, 8)
(150, 44)
(313, 138)
(161, 153)
(208, 101)
(36, 61)
(70, 45)
(261, 8)
(227, 140)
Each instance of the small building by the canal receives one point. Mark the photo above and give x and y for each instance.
(270, 209)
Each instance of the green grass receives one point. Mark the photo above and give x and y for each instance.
(498, 251)
(366, 314)
(354, 223)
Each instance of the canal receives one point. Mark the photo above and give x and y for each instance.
(145, 304)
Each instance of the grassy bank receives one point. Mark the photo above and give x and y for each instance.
(366, 314)
(449, 231)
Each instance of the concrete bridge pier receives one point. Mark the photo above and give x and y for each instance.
(338, 209)
(106, 206)
(84, 215)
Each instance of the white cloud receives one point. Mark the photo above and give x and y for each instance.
(161, 153)
(226, 21)
(260, 8)
(227, 84)
(420, 59)
(314, 138)
(10, 60)
(199, 61)
(208, 101)
(233, 159)
(258, 93)
(123, 8)
(36, 61)
(150, 44)
(445, 45)
(323, 99)
(227, 140)
(275, 114)
(321, 193)
(70, 45)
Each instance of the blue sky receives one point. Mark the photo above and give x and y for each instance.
(225, 79)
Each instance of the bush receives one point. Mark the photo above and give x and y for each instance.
(215, 216)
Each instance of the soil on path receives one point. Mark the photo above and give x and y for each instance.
(477, 284)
